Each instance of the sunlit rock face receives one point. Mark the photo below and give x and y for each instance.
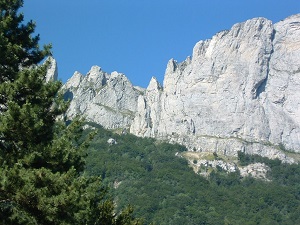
(52, 71)
(106, 99)
(239, 91)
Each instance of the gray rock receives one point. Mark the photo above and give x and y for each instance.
(106, 99)
(256, 170)
(282, 89)
(112, 141)
(52, 72)
(148, 110)
(229, 167)
(240, 91)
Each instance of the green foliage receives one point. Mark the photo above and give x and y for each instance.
(164, 190)
(281, 173)
(42, 159)
(29, 115)
(18, 46)
(46, 179)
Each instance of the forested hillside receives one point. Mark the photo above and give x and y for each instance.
(163, 189)
(57, 171)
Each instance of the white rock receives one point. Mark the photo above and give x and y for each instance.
(256, 170)
(106, 99)
(52, 72)
(240, 91)
(112, 141)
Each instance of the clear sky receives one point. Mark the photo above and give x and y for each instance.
(138, 37)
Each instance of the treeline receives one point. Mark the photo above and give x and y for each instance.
(163, 189)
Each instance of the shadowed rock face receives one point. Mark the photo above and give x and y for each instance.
(240, 91)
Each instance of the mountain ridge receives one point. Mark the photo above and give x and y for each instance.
(238, 92)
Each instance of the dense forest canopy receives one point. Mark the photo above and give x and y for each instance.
(164, 190)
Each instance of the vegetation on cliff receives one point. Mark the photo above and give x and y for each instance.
(163, 189)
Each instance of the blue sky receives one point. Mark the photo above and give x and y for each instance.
(138, 37)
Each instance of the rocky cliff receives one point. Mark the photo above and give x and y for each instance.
(240, 91)
(106, 99)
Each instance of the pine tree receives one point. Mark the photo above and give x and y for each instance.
(42, 159)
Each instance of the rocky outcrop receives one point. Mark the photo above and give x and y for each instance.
(106, 99)
(256, 170)
(240, 91)
(52, 72)
(112, 141)
(203, 163)
(148, 111)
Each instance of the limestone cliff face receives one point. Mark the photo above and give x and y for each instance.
(239, 91)
(52, 71)
(106, 99)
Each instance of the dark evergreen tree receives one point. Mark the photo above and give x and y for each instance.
(42, 159)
